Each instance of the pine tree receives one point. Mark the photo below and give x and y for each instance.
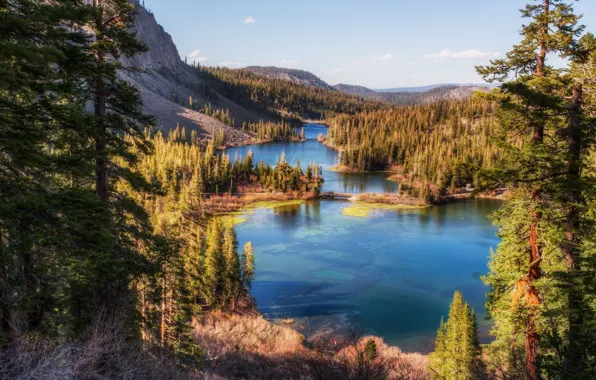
(214, 265)
(232, 274)
(456, 348)
(531, 105)
(248, 261)
(117, 112)
(50, 224)
(370, 350)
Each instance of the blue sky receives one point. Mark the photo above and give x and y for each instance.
(374, 43)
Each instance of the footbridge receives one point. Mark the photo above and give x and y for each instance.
(334, 195)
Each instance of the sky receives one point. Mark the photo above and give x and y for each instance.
(373, 43)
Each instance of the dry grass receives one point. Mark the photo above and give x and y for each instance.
(234, 346)
(228, 204)
(103, 353)
(250, 347)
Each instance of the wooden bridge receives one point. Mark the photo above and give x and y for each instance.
(333, 195)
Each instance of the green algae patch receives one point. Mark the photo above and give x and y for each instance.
(357, 211)
(364, 209)
(274, 204)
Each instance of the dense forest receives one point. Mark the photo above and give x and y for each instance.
(447, 92)
(280, 97)
(441, 146)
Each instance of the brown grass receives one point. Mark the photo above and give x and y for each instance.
(250, 347)
(102, 353)
(224, 204)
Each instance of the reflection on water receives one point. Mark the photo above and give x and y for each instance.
(393, 273)
(311, 150)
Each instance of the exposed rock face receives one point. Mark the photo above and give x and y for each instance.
(166, 83)
(163, 51)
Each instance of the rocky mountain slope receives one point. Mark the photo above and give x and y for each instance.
(292, 75)
(167, 84)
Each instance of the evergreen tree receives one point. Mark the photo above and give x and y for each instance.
(50, 224)
(248, 261)
(117, 112)
(534, 103)
(370, 350)
(456, 348)
(214, 265)
(232, 275)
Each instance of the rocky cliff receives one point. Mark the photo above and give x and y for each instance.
(167, 83)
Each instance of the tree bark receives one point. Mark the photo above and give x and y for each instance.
(541, 58)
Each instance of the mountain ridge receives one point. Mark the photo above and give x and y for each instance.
(293, 75)
(433, 94)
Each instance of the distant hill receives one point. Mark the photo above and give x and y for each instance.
(356, 90)
(430, 87)
(424, 95)
(292, 75)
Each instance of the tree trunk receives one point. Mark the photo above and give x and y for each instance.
(532, 372)
(570, 250)
(541, 58)
(162, 330)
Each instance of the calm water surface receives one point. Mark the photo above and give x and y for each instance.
(392, 274)
(311, 150)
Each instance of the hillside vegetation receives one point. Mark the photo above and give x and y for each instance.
(397, 98)
(281, 98)
(435, 147)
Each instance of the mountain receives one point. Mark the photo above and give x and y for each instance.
(426, 95)
(431, 87)
(173, 91)
(354, 89)
(293, 75)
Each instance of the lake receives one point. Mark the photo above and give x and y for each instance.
(391, 274)
(313, 151)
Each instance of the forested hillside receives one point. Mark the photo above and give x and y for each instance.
(440, 146)
(291, 75)
(279, 97)
(447, 92)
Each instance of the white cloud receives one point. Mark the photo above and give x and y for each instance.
(233, 64)
(249, 20)
(288, 62)
(383, 59)
(195, 57)
(412, 62)
(464, 54)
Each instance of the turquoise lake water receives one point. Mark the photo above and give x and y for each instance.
(391, 274)
(311, 150)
